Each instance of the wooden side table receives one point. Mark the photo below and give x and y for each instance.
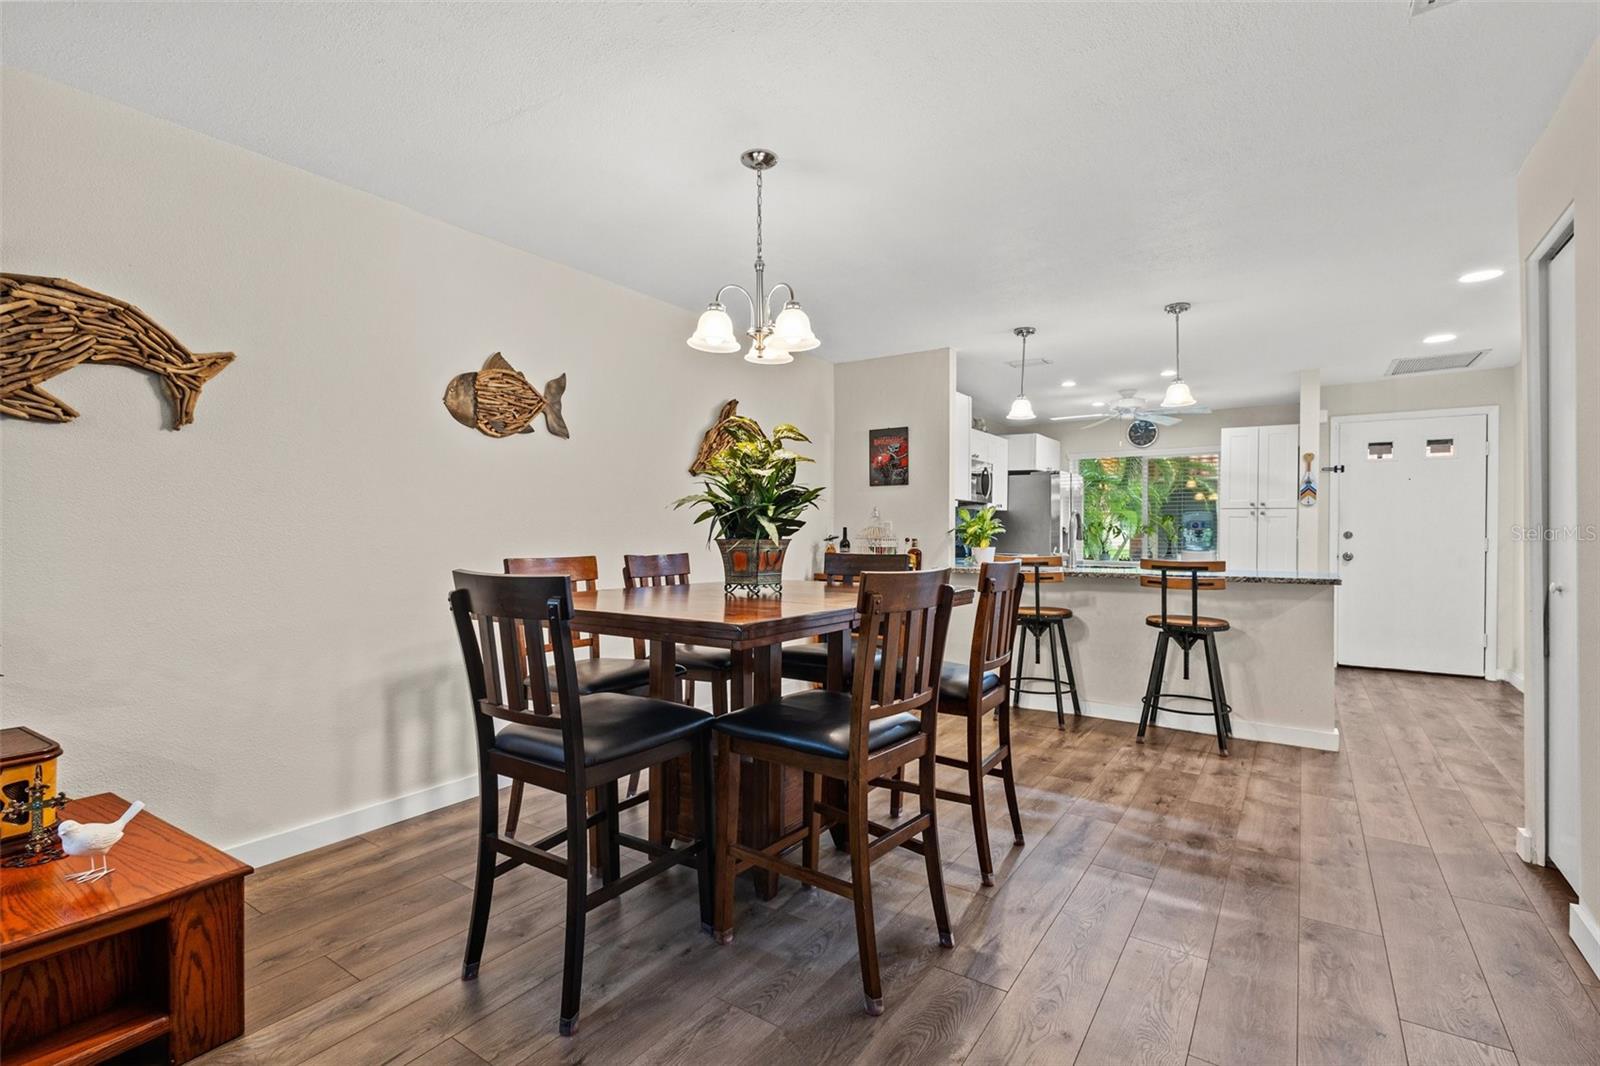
(153, 952)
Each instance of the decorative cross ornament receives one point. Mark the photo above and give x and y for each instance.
(42, 845)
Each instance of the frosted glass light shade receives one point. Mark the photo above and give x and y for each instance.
(767, 352)
(1178, 395)
(1021, 410)
(792, 329)
(714, 332)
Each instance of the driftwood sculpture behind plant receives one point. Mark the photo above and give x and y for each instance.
(50, 325)
(720, 436)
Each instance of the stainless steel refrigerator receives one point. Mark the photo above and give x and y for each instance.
(1033, 514)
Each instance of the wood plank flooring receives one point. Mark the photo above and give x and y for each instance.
(1281, 906)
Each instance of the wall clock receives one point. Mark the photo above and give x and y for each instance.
(1141, 433)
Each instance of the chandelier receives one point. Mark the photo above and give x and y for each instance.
(772, 339)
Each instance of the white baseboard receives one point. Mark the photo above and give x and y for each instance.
(1585, 933)
(1525, 845)
(314, 835)
(1510, 677)
(1244, 729)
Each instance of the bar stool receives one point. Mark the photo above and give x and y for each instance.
(1038, 620)
(1187, 630)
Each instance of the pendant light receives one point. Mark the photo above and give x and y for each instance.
(1021, 407)
(1178, 394)
(771, 338)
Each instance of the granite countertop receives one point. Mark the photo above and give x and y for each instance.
(1263, 577)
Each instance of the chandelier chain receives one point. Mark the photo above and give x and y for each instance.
(758, 216)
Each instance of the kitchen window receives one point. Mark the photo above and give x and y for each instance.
(1130, 507)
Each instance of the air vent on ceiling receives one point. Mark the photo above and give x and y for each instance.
(1035, 361)
(1427, 364)
(1422, 7)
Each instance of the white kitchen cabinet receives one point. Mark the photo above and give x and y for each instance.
(1257, 517)
(1032, 451)
(961, 448)
(991, 449)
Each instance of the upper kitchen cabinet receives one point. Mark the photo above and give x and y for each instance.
(1032, 451)
(1258, 466)
(961, 449)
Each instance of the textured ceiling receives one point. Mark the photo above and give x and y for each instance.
(1313, 177)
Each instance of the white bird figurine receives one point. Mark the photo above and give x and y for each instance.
(94, 839)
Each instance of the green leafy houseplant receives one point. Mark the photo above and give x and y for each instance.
(752, 502)
(977, 529)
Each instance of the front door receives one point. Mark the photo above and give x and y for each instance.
(1560, 541)
(1410, 535)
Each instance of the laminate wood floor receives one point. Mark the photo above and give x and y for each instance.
(1281, 906)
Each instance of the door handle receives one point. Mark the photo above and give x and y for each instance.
(1556, 590)
(1347, 556)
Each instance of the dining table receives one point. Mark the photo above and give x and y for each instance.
(754, 629)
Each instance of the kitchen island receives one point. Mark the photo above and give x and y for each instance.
(1277, 659)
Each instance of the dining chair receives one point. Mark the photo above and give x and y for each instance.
(594, 673)
(808, 660)
(714, 666)
(1186, 630)
(887, 720)
(594, 740)
(999, 592)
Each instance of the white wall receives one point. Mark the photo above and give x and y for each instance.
(244, 623)
(914, 390)
(1563, 171)
(1195, 431)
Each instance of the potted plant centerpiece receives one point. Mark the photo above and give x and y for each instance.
(976, 529)
(753, 504)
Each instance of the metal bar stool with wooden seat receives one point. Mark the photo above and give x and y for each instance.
(808, 660)
(1186, 630)
(999, 590)
(888, 719)
(593, 673)
(1037, 619)
(594, 741)
(714, 666)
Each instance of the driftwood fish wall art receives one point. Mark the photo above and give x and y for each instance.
(498, 401)
(719, 436)
(50, 325)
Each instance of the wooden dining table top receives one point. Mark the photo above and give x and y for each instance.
(703, 613)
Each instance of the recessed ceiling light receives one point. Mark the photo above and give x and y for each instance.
(1480, 275)
(1439, 338)
(1069, 384)
(1098, 403)
(1169, 373)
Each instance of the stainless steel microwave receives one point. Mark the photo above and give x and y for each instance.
(982, 490)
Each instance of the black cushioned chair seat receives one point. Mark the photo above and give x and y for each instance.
(608, 675)
(696, 658)
(614, 727)
(953, 682)
(809, 662)
(816, 722)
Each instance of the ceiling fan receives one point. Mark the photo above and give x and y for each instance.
(1130, 408)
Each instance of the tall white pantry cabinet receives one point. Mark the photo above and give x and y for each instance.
(1257, 512)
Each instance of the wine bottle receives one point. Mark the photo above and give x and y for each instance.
(844, 541)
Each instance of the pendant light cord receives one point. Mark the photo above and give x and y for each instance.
(1022, 374)
(758, 216)
(1177, 346)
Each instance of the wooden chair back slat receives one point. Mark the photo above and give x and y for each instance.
(907, 615)
(496, 616)
(846, 568)
(1029, 562)
(1169, 576)
(999, 597)
(583, 570)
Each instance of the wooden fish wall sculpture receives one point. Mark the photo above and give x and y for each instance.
(50, 325)
(718, 437)
(498, 401)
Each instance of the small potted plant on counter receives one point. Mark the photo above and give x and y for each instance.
(976, 530)
(753, 504)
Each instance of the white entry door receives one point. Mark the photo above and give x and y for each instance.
(1410, 538)
(1561, 565)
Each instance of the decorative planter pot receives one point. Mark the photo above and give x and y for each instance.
(753, 567)
(983, 555)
